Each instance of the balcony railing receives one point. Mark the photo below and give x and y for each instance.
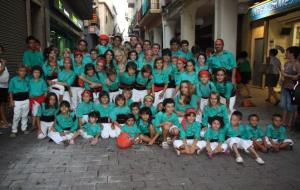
(152, 5)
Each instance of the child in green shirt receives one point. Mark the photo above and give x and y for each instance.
(237, 138)
(18, 89)
(66, 124)
(90, 130)
(84, 108)
(46, 115)
(166, 122)
(276, 137)
(256, 134)
(37, 92)
(215, 137)
(189, 135)
(146, 127)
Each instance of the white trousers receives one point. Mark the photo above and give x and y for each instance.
(76, 96)
(169, 92)
(178, 143)
(158, 100)
(214, 145)
(112, 95)
(232, 101)
(290, 141)
(55, 136)
(45, 126)
(84, 135)
(107, 131)
(241, 143)
(138, 95)
(59, 90)
(21, 110)
(35, 108)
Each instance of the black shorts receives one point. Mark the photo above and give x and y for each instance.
(271, 80)
(3, 95)
(245, 77)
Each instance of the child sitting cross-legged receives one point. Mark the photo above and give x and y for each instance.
(189, 135)
(90, 130)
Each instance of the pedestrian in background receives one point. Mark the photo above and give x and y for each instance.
(4, 77)
(244, 69)
(273, 69)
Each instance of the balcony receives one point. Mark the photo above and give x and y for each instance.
(149, 12)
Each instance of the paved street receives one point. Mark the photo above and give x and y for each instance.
(26, 163)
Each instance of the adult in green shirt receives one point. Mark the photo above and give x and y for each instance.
(223, 59)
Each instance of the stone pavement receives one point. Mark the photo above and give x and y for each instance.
(26, 163)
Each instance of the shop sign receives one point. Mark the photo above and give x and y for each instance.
(59, 5)
(272, 7)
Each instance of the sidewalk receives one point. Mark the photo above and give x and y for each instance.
(26, 163)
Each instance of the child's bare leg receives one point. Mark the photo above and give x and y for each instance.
(77, 134)
(152, 131)
(165, 131)
(153, 139)
(94, 141)
(259, 145)
(175, 133)
(253, 152)
(284, 145)
(236, 151)
(145, 138)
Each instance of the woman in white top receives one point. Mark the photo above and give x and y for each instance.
(4, 77)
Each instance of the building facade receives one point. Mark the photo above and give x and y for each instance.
(52, 22)
(266, 25)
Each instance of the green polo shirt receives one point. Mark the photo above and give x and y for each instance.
(67, 77)
(240, 131)
(144, 81)
(37, 87)
(223, 60)
(215, 135)
(118, 110)
(191, 129)
(204, 90)
(64, 122)
(104, 110)
(254, 132)
(17, 85)
(224, 88)
(43, 110)
(187, 55)
(103, 48)
(183, 107)
(47, 70)
(191, 77)
(162, 117)
(92, 129)
(133, 131)
(210, 111)
(32, 58)
(84, 108)
(276, 132)
(143, 126)
(160, 77)
(127, 79)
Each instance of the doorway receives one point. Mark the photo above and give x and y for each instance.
(257, 76)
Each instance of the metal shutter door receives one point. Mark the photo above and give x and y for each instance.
(13, 31)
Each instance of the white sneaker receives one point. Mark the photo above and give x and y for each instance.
(41, 136)
(198, 151)
(177, 152)
(169, 140)
(239, 160)
(259, 160)
(165, 145)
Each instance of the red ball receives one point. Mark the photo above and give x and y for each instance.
(124, 141)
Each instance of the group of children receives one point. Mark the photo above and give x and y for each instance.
(165, 99)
